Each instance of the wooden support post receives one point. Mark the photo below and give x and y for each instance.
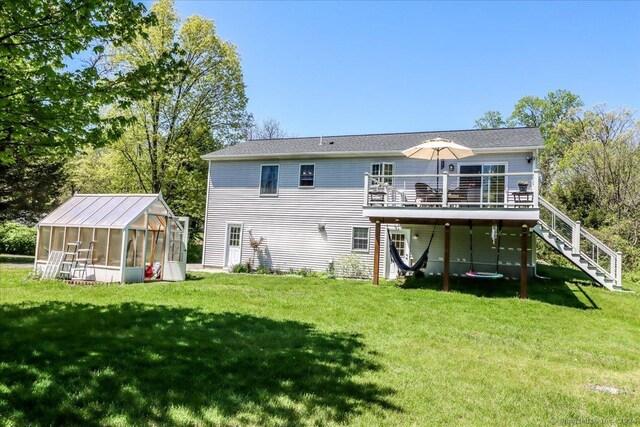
(376, 255)
(523, 261)
(447, 256)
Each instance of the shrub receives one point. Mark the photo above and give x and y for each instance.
(331, 270)
(17, 239)
(263, 269)
(304, 272)
(351, 266)
(240, 268)
(194, 253)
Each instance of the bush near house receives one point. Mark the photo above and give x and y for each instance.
(17, 239)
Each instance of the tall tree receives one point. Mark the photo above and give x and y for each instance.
(268, 129)
(45, 106)
(491, 120)
(546, 113)
(198, 106)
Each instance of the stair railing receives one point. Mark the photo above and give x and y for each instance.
(582, 242)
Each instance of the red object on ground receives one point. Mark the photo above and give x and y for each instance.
(148, 272)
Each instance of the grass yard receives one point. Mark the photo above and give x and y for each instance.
(265, 350)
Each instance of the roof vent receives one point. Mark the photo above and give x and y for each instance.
(330, 142)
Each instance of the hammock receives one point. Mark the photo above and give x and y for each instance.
(398, 261)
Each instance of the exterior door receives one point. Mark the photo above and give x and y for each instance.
(471, 185)
(400, 239)
(176, 250)
(234, 244)
(493, 187)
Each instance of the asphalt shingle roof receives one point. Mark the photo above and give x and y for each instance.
(476, 139)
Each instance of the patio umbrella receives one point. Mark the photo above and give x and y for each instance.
(440, 149)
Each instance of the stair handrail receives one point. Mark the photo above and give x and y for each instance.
(615, 271)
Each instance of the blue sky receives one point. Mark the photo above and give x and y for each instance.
(367, 67)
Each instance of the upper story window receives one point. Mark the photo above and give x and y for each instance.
(307, 175)
(269, 180)
(378, 169)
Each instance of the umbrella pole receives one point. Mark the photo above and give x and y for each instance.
(437, 170)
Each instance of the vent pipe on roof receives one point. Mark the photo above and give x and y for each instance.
(320, 139)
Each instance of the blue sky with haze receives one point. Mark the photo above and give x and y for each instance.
(368, 67)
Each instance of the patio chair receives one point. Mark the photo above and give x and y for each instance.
(425, 195)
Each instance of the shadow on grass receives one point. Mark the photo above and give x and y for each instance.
(138, 364)
(561, 286)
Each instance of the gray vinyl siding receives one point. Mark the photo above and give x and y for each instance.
(289, 222)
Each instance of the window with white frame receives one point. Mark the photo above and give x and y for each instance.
(378, 169)
(269, 180)
(307, 175)
(360, 239)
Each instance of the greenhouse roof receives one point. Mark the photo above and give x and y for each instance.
(105, 210)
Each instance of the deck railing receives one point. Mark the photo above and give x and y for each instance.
(581, 242)
(479, 191)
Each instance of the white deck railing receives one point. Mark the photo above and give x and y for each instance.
(581, 242)
(479, 191)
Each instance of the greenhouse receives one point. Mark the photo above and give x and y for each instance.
(113, 238)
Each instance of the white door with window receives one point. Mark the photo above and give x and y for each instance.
(400, 239)
(234, 244)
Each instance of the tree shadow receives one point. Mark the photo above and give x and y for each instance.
(561, 286)
(65, 363)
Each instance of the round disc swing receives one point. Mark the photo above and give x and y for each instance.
(473, 274)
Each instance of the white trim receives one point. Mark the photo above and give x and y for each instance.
(300, 175)
(521, 214)
(482, 165)
(361, 251)
(277, 180)
(206, 214)
(226, 240)
(217, 158)
(382, 174)
(387, 259)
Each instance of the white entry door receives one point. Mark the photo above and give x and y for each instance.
(234, 244)
(400, 239)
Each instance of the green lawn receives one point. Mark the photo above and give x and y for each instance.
(265, 350)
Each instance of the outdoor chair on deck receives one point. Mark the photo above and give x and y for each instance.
(425, 195)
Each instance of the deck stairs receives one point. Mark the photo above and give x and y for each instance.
(582, 248)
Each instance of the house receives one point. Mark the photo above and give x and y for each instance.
(317, 201)
(113, 238)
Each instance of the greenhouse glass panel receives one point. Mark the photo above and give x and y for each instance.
(115, 248)
(43, 243)
(131, 248)
(100, 246)
(71, 236)
(57, 240)
(140, 248)
(86, 237)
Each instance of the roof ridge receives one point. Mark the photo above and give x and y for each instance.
(390, 133)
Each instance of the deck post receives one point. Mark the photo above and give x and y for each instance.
(445, 186)
(536, 188)
(365, 202)
(376, 255)
(575, 239)
(447, 255)
(523, 262)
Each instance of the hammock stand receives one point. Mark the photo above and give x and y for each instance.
(397, 259)
(473, 274)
